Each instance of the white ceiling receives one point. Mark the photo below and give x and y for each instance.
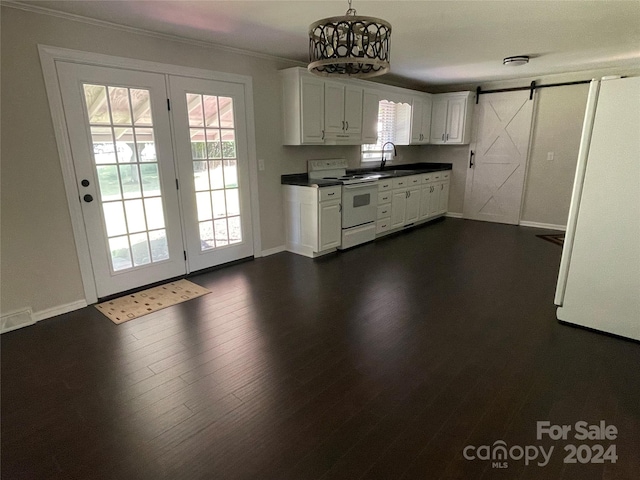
(432, 42)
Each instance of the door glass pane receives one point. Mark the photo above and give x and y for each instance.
(211, 111)
(216, 175)
(104, 150)
(201, 175)
(220, 227)
(120, 107)
(216, 182)
(141, 106)
(231, 173)
(130, 180)
(150, 179)
(96, 101)
(203, 201)
(120, 253)
(140, 249)
(154, 213)
(114, 214)
(226, 112)
(135, 215)
(198, 146)
(109, 182)
(159, 245)
(121, 125)
(219, 205)
(145, 145)
(194, 107)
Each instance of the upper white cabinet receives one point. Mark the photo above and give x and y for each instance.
(342, 111)
(420, 119)
(370, 103)
(451, 118)
(303, 108)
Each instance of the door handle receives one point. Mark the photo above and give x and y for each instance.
(471, 159)
(347, 125)
(88, 198)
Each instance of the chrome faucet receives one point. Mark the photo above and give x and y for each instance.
(394, 153)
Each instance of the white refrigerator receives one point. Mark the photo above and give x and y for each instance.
(599, 279)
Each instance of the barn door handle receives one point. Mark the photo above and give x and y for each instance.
(471, 159)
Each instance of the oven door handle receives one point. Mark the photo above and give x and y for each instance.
(354, 186)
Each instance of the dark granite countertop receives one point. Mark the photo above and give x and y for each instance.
(302, 179)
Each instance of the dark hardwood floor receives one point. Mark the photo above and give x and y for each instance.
(381, 362)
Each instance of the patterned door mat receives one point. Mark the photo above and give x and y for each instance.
(558, 238)
(136, 305)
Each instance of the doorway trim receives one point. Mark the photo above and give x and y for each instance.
(48, 57)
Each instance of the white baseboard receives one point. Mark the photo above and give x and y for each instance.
(453, 215)
(548, 226)
(273, 251)
(59, 310)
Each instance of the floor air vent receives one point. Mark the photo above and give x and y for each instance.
(16, 320)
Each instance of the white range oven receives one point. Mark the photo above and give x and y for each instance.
(359, 199)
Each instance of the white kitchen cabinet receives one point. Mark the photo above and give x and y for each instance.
(313, 219)
(451, 115)
(329, 224)
(434, 199)
(342, 111)
(421, 119)
(405, 201)
(370, 103)
(303, 108)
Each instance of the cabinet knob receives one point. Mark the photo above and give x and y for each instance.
(88, 198)
(85, 183)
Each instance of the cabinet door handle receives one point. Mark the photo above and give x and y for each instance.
(322, 134)
(447, 136)
(471, 154)
(443, 137)
(442, 186)
(340, 207)
(347, 123)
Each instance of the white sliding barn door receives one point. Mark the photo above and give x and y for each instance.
(495, 179)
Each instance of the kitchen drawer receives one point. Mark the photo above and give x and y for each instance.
(413, 180)
(383, 225)
(329, 193)
(384, 210)
(400, 182)
(384, 197)
(384, 185)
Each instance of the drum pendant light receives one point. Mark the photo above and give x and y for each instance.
(350, 45)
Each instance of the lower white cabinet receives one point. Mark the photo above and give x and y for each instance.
(313, 219)
(412, 199)
(434, 199)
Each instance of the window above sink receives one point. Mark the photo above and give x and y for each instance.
(394, 125)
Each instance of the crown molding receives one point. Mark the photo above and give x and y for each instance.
(141, 31)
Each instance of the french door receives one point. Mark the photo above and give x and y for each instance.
(142, 189)
(214, 162)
